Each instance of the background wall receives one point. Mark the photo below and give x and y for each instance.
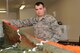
(27, 13)
(68, 12)
(11, 15)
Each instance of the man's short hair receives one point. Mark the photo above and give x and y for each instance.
(38, 3)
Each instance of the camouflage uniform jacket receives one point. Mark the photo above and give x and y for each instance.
(46, 27)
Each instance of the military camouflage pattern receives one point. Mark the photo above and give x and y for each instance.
(45, 27)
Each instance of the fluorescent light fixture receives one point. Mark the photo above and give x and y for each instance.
(22, 7)
(3, 11)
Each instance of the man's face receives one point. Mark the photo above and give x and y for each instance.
(40, 10)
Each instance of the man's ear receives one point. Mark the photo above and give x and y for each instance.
(44, 8)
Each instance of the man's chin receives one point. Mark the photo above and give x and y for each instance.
(40, 15)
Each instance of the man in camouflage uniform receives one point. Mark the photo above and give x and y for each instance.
(46, 26)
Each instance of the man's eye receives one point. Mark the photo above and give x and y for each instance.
(40, 8)
(36, 9)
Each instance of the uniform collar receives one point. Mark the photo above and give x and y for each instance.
(42, 17)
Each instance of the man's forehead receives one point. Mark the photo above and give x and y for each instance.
(39, 5)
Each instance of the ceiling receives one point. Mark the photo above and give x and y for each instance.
(13, 5)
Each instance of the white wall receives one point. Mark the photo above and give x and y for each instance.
(11, 15)
(68, 11)
(3, 15)
(27, 13)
